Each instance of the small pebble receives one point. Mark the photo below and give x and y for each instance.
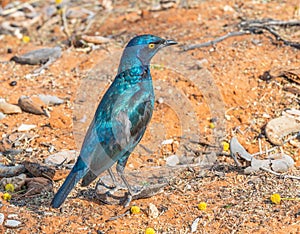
(160, 100)
(194, 225)
(13, 83)
(9, 50)
(1, 218)
(29, 150)
(167, 142)
(26, 127)
(8, 108)
(60, 157)
(28, 105)
(153, 211)
(10, 216)
(2, 116)
(11, 223)
(50, 100)
(172, 160)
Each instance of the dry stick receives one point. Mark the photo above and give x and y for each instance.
(65, 22)
(279, 38)
(248, 27)
(259, 23)
(18, 7)
(280, 175)
(218, 39)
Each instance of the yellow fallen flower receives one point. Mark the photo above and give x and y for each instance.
(275, 198)
(225, 146)
(135, 210)
(9, 187)
(211, 125)
(26, 39)
(6, 196)
(202, 206)
(149, 231)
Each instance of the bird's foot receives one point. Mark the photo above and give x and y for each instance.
(131, 196)
(128, 200)
(101, 183)
(114, 189)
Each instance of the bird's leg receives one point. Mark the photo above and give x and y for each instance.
(114, 182)
(120, 170)
(116, 185)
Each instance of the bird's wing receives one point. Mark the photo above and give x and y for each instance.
(117, 128)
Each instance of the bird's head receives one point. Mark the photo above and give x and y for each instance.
(142, 48)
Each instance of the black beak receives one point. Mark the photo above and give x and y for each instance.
(169, 42)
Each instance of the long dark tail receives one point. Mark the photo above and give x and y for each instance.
(78, 171)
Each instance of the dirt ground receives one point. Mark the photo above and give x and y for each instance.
(236, 203)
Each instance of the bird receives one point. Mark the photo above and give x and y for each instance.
(120, 119)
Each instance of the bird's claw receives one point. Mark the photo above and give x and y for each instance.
(110, 187)
(128, 200)
(113, 189)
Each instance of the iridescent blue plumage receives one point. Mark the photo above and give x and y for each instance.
(120, 119)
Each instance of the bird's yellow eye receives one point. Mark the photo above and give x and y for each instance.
(151, 46)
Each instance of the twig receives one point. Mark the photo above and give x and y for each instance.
(279, 38)
(118, 216)
(65, 22)
(218, 39)
(17, 7)
(254, 27)
(280, 175)
(269, 22)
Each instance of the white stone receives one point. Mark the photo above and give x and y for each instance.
(1, 218)
(172, 160)
(153, 211)
(11, 223)
(26, 127)
(167, 142)
(60, 157)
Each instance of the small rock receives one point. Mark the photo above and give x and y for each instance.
(2, 116)
(17, 181)
(26, 127)
(13, 83)
(95, 39)
(39, 170)
(281, 164)
(172, 160)
(276, 129)
(50, 100)
(40, 56)
(160, 100)
(29, 150)
(60, 157)
(27, 105)
(1, 218)
(8, 108)
(228, 8)
(38, 185)
(194, 225)
(12, 216)
(228, 117)
(186, 160)
(266, 115)
(167, 142)
(11, 223)
(153, 211)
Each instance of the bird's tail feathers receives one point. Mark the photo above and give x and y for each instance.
(71, 180)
